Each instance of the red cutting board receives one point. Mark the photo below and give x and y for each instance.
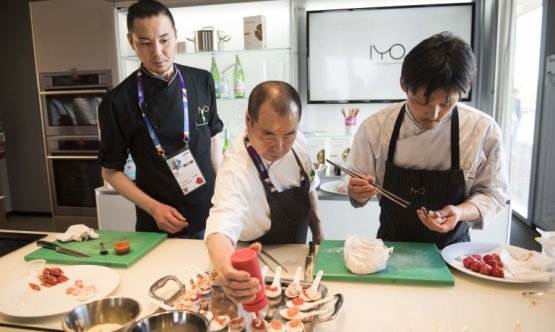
(141, 244)
(410, 263)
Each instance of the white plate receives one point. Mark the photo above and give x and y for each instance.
(463, 249)
(19, 300)
(331, 187)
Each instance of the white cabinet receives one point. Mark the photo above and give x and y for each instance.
(115, 212)
(73, 34)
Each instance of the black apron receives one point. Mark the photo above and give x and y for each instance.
(289, 209)
(432, 189)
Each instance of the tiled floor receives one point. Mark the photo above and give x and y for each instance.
(521, 235)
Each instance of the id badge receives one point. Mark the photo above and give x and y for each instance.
(185, 171)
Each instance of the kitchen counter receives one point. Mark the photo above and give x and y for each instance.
(473, 304)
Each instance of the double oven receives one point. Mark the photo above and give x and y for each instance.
(69, 102)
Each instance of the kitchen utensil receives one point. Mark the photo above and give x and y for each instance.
(265, 253)
(312, 294)
(204, 39)
(172, 321)
(113, 314)
(142, 243)
(222, 38)
(309, 262)
(276, 285)
(103, 250)
(409, 263)
(264, 272)
(59, 248)
(533, 293)
(396, 199)
(301, 315)
(294, 289)
(309, 305)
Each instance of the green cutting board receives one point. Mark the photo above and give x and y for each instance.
(141, 244)
(410, 263)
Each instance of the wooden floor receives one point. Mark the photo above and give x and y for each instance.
(521, 235)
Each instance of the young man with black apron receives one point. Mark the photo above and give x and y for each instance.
(266, 187)
(445, 158)
(164, 115)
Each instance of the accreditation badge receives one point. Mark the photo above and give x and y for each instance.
(186, 171)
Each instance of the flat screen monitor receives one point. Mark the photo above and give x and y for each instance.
(355, 55)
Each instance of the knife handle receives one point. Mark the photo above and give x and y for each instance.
(311, 248)
(46, 244)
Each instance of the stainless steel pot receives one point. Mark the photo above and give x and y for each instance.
(204, 40)
(113, 313)
(170, 321)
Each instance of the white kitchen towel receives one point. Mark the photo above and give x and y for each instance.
(526, 264)
(78, 232)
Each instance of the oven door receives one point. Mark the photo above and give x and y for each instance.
(73, 180)
(71, 112)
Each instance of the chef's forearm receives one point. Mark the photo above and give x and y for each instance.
(469, 212)
(220, 249)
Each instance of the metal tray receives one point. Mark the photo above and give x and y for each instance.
(218, 303)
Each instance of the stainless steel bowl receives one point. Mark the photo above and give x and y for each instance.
(109, 314)
(170, 321)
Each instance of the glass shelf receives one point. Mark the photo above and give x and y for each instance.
(208, 53)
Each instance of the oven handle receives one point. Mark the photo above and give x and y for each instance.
(71, 157)
(68, 92)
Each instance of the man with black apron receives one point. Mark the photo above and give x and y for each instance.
(165, 116)
(445, 158)
(266, 187)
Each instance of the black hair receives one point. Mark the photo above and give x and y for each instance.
(146, 9)
(280, 94)
(442, 61)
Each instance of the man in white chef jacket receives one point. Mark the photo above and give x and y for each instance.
(265, 188)
(446, 158)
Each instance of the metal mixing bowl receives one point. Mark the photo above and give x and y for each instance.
(172, 321)
(112, 313)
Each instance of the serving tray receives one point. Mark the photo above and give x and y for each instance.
(217, 302)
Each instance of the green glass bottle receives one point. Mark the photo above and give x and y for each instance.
(238, 79)
(227, 140)
(216, 75)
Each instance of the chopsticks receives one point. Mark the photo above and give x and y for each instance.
(396, 199)
(265, 253)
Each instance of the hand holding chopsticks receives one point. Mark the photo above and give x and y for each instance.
(396, 199)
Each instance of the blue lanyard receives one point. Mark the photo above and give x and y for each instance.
(261, 168)
(141, 97)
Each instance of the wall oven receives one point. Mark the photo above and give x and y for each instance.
(69, 102)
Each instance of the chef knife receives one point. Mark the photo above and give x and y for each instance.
(61, 249)
(309, 262)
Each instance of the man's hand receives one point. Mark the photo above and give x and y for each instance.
(168, 218)
(238, 285)
(361, 189)
(441, 221)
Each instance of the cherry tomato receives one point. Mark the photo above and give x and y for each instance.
(496, 257)
(477, 256)
(485, 269)
(467, 262)
(498, 272)
(488, 259)
(476, 266)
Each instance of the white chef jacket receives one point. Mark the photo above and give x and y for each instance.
(240, 209)
(482, 154)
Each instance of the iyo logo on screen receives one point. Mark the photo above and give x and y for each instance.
(393, 54)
